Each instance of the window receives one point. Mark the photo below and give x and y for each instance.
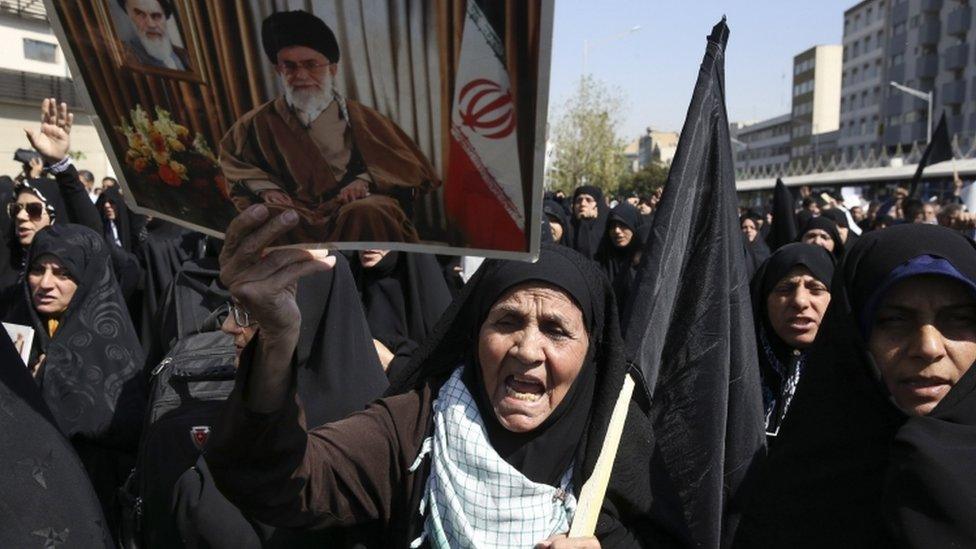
(898, 29)
(36, 50)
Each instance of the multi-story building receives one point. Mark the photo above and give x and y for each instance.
(930, 49)
(762, 145)
(33, 67)
(816, 100)
(863, 77)
(657, 147)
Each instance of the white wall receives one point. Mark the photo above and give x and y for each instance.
(827, 86)
(84, 138)
(13, 31)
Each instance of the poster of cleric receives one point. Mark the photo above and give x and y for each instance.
(402, 124)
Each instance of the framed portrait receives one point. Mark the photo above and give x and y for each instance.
(404, 125)
(152, 36)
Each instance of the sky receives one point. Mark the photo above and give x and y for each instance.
(654, 68)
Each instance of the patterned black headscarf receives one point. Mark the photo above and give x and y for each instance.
(92, 377)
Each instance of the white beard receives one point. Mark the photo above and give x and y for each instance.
(308, 104)
(160, 48)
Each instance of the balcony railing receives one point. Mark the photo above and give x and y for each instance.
(963, 147)
(955, 57)
(927, 66)
(31, 9)
(33, 87)
(928, 32)
(959, 21)
(954, 93)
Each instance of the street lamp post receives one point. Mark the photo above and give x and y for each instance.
(927, 96)
(587, 44)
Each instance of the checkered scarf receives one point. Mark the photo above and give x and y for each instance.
(475, 498)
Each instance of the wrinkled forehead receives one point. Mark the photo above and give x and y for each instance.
(584, 197)
(538, 297)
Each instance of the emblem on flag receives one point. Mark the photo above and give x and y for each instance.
(199, 435)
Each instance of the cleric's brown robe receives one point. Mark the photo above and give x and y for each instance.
(270, 144)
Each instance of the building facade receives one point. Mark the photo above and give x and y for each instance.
(863, 78)
(762, 145)
(930, 49)
(657, 147)
(816, 100)
(33, 67)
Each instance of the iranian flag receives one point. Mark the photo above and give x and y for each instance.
(483, 195)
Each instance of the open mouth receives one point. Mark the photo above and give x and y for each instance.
(523, 388)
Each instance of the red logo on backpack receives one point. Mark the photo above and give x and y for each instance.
(199, 435)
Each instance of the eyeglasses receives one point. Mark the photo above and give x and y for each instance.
(34, 209)
(289, 67)
(241, 316)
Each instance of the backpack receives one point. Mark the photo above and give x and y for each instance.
(186, 391)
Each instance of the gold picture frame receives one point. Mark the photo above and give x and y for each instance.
(126, 56)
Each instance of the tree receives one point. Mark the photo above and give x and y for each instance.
(645, 182)
(586, 146)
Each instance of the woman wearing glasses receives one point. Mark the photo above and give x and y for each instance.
(33, 209)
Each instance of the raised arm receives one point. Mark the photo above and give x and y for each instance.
(260, 456)
(53, 141)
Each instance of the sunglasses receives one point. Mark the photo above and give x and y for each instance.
(34, 210)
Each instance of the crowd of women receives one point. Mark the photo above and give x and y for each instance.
(379, 401)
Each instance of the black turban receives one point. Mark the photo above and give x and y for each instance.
(165, 4)
(297, 28)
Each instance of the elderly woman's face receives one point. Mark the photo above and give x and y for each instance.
(531, 348)
(819, 237)
(924, 340)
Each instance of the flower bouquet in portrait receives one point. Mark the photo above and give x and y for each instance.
(166, 162)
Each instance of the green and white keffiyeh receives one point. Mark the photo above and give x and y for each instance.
(476, 499)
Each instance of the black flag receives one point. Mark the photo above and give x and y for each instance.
(784, 228)
(938, 150)
(690, 329)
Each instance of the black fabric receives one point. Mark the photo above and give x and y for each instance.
(91, 375)
(783, 229)
(47, 497)
(554, 211)
(837, 216)
(689, 328)
(620, 264)
(756, 252)
(297, 28)
(338, 370)
(928, 492)
(776, 358)
(627, 514)
(588, 233)
(123, 223)
(828, 466)
(828, 225)
(938, 150)
(162, 254)
(403, 296)
(91, 378)
(337, 373)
